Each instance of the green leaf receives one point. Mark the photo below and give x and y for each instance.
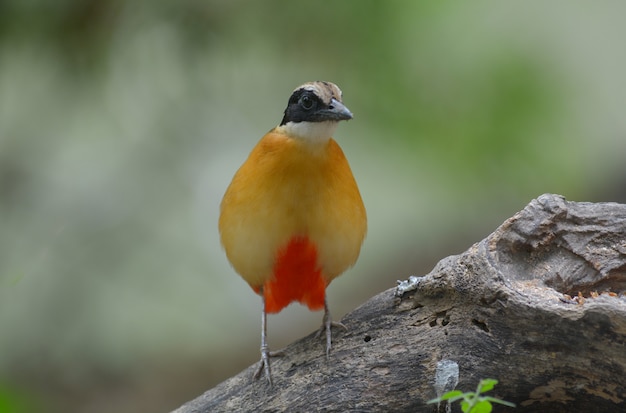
(452, 394)
(482, 406)
(503, 402)
(486, 385)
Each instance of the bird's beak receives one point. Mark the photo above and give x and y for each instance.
(338, 111)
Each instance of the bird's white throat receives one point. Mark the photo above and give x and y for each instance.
(312, 131)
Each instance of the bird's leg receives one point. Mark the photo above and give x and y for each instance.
(327, 324)
(265, 351)
(264, 364)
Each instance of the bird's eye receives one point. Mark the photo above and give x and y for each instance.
(306, 102)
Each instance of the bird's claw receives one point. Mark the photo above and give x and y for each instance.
(327, 325)
(264, 364)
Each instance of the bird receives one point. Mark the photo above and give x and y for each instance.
(292, 218)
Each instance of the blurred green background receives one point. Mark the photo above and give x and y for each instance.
(122, 123)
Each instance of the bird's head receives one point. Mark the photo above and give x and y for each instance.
(314, 111)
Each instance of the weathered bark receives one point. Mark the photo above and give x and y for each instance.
(499, 310)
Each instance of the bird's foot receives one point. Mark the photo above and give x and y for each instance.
(264, 364)
(327, 325)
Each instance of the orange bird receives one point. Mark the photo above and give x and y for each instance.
(292, 218)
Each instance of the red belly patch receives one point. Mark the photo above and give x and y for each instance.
(297, 277)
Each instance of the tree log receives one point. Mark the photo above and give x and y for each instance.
(539, 305)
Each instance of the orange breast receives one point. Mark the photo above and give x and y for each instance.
(292, 219)
(297, 277)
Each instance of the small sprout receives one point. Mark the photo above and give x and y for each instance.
(474, 402)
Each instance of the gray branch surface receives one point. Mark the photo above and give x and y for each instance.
(501, 310)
